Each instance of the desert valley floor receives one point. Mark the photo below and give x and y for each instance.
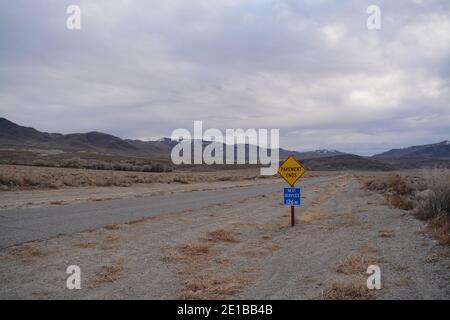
(239, 246)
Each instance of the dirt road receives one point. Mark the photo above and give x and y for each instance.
(242, 248)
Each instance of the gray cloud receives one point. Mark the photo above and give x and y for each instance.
(140, 69)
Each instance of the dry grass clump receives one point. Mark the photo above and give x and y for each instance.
(206, 287)
(110, 242)
(391, 183)
(182, 180)
(174, 256)
(436, 200)
(195, 249)
(440, 228)
(189, 253)
(434, 204)
(437, 256)
(357, 263)
(57, 202)
(27, 251)
(222, 235)
(114, 226)
(107, 274)
(400, 201)
(397, 189)
(87, 245)
(356, 289)
(200, 265)
(137, 221)
(386, 233)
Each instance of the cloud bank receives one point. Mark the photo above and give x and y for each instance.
(140, 69)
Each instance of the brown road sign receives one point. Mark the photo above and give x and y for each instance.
(291, 170)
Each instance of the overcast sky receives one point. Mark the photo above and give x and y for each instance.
(140, 69)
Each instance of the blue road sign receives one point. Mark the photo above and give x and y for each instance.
(292, 197)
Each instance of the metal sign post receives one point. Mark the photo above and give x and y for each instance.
(292, 216)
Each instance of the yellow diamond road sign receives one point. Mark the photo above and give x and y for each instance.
(291, 170)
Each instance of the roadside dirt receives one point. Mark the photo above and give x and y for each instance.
(243, 250)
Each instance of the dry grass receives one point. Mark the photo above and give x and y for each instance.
(110, 242)
(397, 189)
(391, 183)
(434, 204)
(437, 256)
(386, 233)
(107, 243)
(87, 245)
(206, 287)
(428, 194)
(114, 226)
(28, 177)
(357, 263)
(136, 221)
(435, 201)
(272, 247)
(187, 253)
(354, 289)
(400, 201)
(57, 202)
(27, 251)
(173, 256)
(440, 229)
(108, 274)
(203, 268)
(222, 261)
(195, 249)
(222, 235)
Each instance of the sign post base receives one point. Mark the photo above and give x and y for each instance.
(292, 216)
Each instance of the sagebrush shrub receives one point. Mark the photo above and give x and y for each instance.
(437, 201)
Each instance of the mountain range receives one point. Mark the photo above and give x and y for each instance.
(439, 150)
(13, 135)
(26, 139)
